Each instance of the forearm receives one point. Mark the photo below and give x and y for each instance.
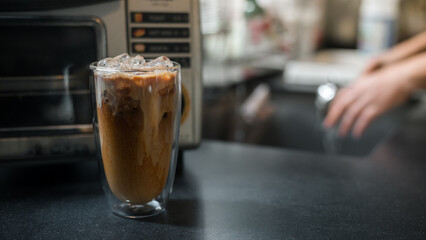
(405, 49)
(413, 70)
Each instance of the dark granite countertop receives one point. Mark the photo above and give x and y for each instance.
(236, 191)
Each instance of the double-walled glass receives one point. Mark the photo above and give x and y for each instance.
(136, 125)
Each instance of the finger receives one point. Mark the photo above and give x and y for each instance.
(365, 118)
(338, 106)
(372, 66)
(351, 114)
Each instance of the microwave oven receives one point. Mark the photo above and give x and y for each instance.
(47, 46)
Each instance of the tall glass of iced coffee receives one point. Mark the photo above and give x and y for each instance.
(136, 127)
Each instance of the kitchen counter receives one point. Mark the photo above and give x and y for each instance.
(236, 191)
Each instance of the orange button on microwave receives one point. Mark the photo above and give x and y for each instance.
(137, 17)
(138, 32)
(139, 47)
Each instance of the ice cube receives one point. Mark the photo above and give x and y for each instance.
(108, 63)
(135, 62)
(162, 61)
(122, 57)
(104, 62)
(126, 62)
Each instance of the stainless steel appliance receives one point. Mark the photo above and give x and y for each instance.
(45, 100)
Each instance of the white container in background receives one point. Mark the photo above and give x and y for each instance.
(377, 25)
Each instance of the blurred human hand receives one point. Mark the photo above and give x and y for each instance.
(378, 90)
(387, 81)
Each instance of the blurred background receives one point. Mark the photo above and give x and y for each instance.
(264, 60)
(262, 64)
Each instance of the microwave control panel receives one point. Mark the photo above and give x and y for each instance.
(171, 28)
